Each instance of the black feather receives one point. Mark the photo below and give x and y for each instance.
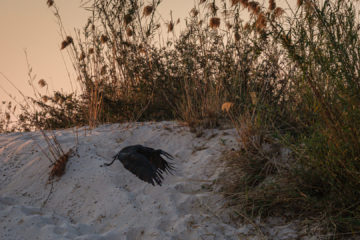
(144, 162)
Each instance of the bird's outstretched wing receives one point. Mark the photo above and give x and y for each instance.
(140, 166)
(154, 156)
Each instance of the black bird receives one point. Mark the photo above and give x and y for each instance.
(146, 163)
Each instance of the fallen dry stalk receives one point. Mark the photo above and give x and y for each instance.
(59, 166)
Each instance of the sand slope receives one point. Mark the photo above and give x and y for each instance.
(93, 202)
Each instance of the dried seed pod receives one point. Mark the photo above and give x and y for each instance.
(170, 26)
(66, 42)
(127, 19)
(278, 12)
(194, 12)
(82, 56)
(213, 8)
(45, 98)
(42, 83)
(148, 10)
(237, 36)
(69, 40)
(254, 7)
(50, 3)
(260, 22)
(272, 5)
(129, 32)
(234, 2)
(104, 39)
(214, 22)
(103, 70)
(254, 98)
(226, 106)
(299, 3)
(244, 3)
(56, 97)
(228, 25)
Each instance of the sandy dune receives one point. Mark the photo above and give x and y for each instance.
(93, 202)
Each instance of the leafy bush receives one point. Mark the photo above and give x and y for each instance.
(52, 112)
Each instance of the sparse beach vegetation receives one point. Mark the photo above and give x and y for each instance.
(286, 79)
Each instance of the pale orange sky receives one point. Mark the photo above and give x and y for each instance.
(30, 25)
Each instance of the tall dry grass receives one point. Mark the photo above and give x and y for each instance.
(292, 78)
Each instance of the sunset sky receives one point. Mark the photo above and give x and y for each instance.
(31, 26)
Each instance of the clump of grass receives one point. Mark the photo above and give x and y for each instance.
(320, 124)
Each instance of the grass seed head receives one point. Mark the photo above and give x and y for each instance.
(226, 106)
(213, 8)
(278, 12)
(254, 7)
(104, 39)
(50, 3)
(148, 10)
(127, 19)
(82, 56)
(260, 22)
(103, 70)
(228, 25)
(129, 32)
(170, 26)
(237, 36)
(214, 22)
(194, 12)
(254, 98)
(7, 116)
(272, 5)
(42, 83)
(64, 44)
(69, 40)
(244, 3)
(299, 3)
(45, 98)
(234, 2)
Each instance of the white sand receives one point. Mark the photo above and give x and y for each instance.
(93, 202)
